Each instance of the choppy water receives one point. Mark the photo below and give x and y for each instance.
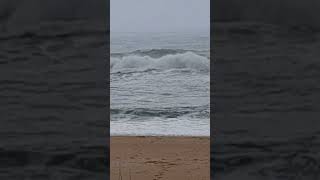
(160, 83)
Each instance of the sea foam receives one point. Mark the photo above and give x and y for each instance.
(187, 60)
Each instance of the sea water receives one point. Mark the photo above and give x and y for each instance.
(160, 83)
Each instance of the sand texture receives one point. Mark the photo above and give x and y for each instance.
(148, 158)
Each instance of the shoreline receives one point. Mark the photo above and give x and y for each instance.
(160, 157)
(162, 136)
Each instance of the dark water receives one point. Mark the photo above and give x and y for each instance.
(53, 104)
(266, 102)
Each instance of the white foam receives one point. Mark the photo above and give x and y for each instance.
(188, 60)
(157, 127)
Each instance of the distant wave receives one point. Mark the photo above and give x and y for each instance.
(142, 61)
(157, 53)
(284, 12)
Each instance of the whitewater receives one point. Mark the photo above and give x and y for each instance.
(160, 84)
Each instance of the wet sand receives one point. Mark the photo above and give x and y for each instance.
(148, 158)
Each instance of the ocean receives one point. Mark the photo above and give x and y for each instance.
(160, 83)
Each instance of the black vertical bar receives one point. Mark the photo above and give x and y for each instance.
(211, 90)
(108, 87)
(54, 89)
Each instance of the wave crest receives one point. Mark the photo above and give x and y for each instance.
(187, 60)
(157, 53)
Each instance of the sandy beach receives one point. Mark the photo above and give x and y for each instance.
(148, 158)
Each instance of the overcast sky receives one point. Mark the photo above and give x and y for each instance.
(159, 15)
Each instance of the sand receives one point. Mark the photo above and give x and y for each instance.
(148, 158)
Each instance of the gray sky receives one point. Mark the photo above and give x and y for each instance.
(159, 15)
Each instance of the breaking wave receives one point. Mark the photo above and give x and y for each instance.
(141, 62)
(157, 53)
